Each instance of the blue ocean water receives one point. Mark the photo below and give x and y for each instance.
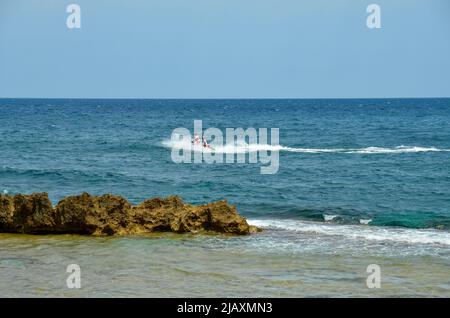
(342, 161)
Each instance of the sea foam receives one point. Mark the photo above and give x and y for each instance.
(358, 232)
(327, 217)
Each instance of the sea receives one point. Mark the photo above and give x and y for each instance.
(361, 184)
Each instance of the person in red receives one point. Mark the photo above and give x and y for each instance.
(196, 140)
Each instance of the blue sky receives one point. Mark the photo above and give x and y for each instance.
(224, 49)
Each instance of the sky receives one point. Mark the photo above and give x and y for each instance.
(224, 49)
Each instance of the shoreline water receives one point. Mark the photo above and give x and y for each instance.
(186, 265)
(281, 261)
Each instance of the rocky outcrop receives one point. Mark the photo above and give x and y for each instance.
(113, 215)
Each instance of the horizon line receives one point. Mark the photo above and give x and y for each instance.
(221, 98)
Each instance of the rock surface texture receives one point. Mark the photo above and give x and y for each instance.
(113, 215)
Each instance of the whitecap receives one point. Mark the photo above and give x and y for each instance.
(365, 221)
(327, 217)
(358, 232)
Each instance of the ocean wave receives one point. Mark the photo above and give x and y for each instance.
(328, 217)
(358, 232)
(365, 221)
(247, 148)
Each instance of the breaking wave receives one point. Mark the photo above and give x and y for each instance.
(359, 232)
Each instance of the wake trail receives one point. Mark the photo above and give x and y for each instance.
(247, 148)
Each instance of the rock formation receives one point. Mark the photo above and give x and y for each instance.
(113, 215)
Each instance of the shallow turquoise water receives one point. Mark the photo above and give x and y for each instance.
(342, 163)
(198, 266)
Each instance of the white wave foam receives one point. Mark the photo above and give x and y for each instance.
(358, 232)
(246, 148)
(327, 217)
(365, 221)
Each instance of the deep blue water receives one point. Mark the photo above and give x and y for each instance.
(331, 167)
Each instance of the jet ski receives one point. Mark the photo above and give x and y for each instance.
(201, 148)
(197, 145)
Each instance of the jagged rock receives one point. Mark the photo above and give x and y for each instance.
(113, 215)
(26, 213)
